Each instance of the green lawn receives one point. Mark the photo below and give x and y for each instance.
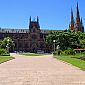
(5, 58)
(74, 60)
(32, 54)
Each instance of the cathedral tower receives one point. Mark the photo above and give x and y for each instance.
(77, 25)
(33, 23)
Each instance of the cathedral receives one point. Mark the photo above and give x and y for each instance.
(32, 39)
(76, 24)
(27, 40)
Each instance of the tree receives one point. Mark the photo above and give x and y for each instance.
(7, 41)
(65, 40)
(81, 39)
(0, 42)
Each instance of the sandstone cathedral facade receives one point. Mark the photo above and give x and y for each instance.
(27, 40)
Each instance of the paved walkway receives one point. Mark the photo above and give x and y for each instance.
(39, 71)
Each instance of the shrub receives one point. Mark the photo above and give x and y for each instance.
(82, 58)
(54, 53)
(3, 51)
(58, 52)
(69, 52)
(66, 52)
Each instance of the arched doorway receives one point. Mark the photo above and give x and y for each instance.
(34, 48)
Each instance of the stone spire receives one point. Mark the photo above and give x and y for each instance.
(30, 19)
(38, 22)
(37, 19)
(77, 14)
(30, 22)
(72, 20)
(82, 27)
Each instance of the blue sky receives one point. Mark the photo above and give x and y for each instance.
(53, 14)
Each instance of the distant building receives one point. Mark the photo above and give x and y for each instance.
(76, 25)
(28, 40)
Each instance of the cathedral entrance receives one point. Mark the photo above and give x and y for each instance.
(34, 48)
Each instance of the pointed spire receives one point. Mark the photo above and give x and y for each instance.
(71, 26)
(37, 19)
(72, 18)
(82, 27)
(30, 22)
(77, 14)
(30, 19)
(38, 22)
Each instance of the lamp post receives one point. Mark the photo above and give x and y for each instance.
(13, 46)
(54, 44)
(17, 44)
(7, 45)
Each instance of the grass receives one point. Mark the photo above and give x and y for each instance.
(74, 60)
(5, 58)
(32, 54)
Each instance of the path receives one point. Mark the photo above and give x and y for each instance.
(39, 71)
